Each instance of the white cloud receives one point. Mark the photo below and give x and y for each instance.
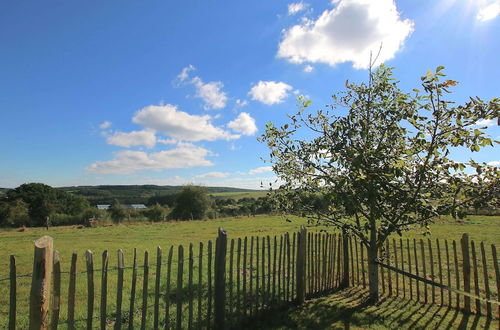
(486, 122)
(262, 169)
(308, 68)
(185, 72)
(213, 175)
(211, 93)
(180, 125)
(167, 141)
(135, 138)
(294, 8)
(243, 124)
(270, 92)
(241, 103)
(105, 124)
(128, 161)
(494, 163)
(489, 11)
(347, 33)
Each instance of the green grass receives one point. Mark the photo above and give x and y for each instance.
(149, 236)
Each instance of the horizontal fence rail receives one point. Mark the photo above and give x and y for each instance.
(226, 282)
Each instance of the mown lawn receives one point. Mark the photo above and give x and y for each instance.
(148, 236)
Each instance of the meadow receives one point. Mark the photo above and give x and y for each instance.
(128, 236)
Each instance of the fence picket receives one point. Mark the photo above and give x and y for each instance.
(361, 248)
(431, 261)
(13, 290)
(475, 276)
(269, 271)
(438, 247)
(497, 274)
(238, 277)
(132, 292)
(409, 267)
(209, 293)
(168, 288)
(190, 287)
(464, 242)
(90, 288)
(71, 292)
(231, 257)
(245, 244)
(145, 282)
(156, 316)
(180, 277)
(402, 266)
(448, 270)
(457, 272)
(424, 269)
(104, 289)
(274, 268)
(288, 263)
(200, 284)
(388, 257)
(257, 277)
(280, 273)
(56, 295)
(119, 290)
(394, 247)
(486, 280)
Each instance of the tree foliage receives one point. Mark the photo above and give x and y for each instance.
(116, 211)
(191, 203)
(43, 200)
(378, 160)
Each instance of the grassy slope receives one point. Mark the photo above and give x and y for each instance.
(69, 239)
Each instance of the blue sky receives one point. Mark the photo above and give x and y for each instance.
(175, 92)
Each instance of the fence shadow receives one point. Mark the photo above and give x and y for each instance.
(348, 308)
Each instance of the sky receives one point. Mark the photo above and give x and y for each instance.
(177, 92)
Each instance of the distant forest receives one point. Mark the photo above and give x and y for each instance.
(133, 194)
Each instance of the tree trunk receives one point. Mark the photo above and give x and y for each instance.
(372, 265)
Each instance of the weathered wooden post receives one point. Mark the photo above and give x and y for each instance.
(345, 250)
(41, 283)
(301, 265)
(220, 279)
(466, 270)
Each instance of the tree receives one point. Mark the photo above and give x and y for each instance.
(44, 200)
(116, 211)
(191, 203)
(156, 212)
(377, 161)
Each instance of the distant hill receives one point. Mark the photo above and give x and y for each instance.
(136, 194)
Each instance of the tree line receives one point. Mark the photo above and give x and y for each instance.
(38, 204)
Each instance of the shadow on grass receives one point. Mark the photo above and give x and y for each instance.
(349, 308)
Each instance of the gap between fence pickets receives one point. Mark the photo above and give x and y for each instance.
(439, 285)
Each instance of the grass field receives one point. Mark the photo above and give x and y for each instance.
(149, 236)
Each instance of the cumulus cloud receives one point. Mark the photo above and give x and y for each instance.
(243, 124)
(262, 169)
(105, 124)
(270, 92)
(213, 175)
(347, 33)
(180, 125)
(241, 103)
(185, 72)
(486, 122)
(308, 68)
(129, 161)
(494, 163)
(489, 12)
(294, 8)
(211, 93)
(135, 138)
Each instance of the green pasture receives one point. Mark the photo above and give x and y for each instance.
(149, 236)
(237, 195)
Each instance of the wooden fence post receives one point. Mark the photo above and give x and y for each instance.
(466, 270)
(220, 279)
(41, 283)
(345, 250)
(12, 294)
(301, 265)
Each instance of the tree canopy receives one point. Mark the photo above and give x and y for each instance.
(191, 203)
(378, 160)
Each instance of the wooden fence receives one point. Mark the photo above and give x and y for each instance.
(224, 284)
